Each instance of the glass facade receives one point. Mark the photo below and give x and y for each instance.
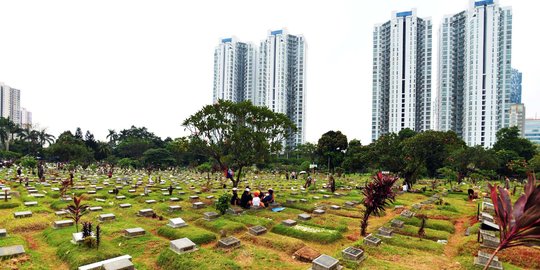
(532, 130)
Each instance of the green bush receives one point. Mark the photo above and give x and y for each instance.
(223, 203)
(326, 236)
(202, 259)
(197, 235)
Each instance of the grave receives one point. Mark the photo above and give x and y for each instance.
(63, 223)
(290, 201)
(174, 199)
(125, 205)
(123, 264)
(110, 262)
(107, 217)
(60, 213)
(325, 262)
(3, 233)
(257, 230)
(304, 216)
(289, 222)
(487, 225)
(134, 232)
(209, 216)
(173, 208)
(318, 211)
(353, 254)
(235, 210)
(306, 254)
(396, 223)
(150, 201)
(407, 214)
(22, 214)
(385, 231)
(209, 197)
(335, 207)
(11, 251)
(30, 203)
(100, 200)
(194, 197)
(146, 212)
(326, 196)
(490, 241)
(121, 197)
(483, 258)
(198, 205)
(229, 242)
(182, 245)
(36, 195)
(350, 204)
(486, 217)
(176, 223)
(371, 240)
(95, 208)
(303, 200)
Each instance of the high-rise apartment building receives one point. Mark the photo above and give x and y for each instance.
(475, 72)
(517, 117)
(273, 76)
(26, 118)
(10, 103)
(234, 66)
(402, 53)
(515, 86)
(532, 130)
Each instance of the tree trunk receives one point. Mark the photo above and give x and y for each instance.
(364, 223)
(235, 182)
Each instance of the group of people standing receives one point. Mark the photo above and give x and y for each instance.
(257, 199)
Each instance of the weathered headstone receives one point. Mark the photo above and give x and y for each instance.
(11, 251)
(95, 208)
(318, 211)
(396, 223)
(123, 264)
(134, 232)
(335, 207)
(173, 208)
(174, 199)
(150, 201)
(490, 242)
(107, 217)
(353, 254)
(257, 230)
(22, 214)
(210, 216)
(146, 212)
(371, 240)
(3, 232)
(289, 222)
(304, 216)
(30, 203)
(386, 232)
(229, 242)
(483, 258)
(125, 205)
(407, 214)
(63, 223)
(120, 197)
(325, 262)
(198, 205)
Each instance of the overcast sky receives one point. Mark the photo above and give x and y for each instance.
(103, 65)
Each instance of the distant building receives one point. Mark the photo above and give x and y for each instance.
(26, 118)
(273, 76)
(402, 60)
(515, 86)
(475, 56)
(10, 103)
(517, 117)
(532, 130)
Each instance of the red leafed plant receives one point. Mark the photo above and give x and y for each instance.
(520, 225)
(77, 210)
(377, 194)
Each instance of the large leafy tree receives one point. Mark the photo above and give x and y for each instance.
(465, 161)
(238, 135)
(509, 139)
(331, 147)
(158, 158)
(356, 157)
(7, 131)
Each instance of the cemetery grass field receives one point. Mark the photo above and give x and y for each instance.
(329, 233)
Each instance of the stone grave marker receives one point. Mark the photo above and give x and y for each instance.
(490, 242)
(120, 197)
(182, 245)
(194, 197)
(125, 205)
(396, 223)
(198, 205)
(229, 242)
(209, 216)
(60, 213)
(95, 208)
(3, 232)
(304, 216)
(483, 258)
(174, 199)
(34, 203)
(22, 214)
(123, 264)
(107, 217)
(150, 201)
(176, 223)
(371, 240)
(318, 211)
(100, 200)
(385, 231)
(11, 251)
(407, 214)
(325, 262)
(173, 208)
(289, 222)
(257, 230)
(63, 223)
(353, 254)
(335, 207)
(350, 204)
(134, 232)
(146, 212)
(303, 200)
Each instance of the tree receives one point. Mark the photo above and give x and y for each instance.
(509, 139)
(356, 157)
(7, 130)
(520, 225)
(77, 210)
(112, 136)
(377, 195)
(158, 158)
(44, 137)
(28, 162)
(238, 135)
(331, 146)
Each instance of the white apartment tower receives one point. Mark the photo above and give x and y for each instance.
(234, 66)
(402, 52)
(26, 118)
(10, 103)
(475, 72)
(274, 76)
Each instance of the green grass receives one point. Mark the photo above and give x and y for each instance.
(435, 224)
(197, 235)
(429, 233)
(221, 224)
(416, 243)
(325, 236)
(201, 259)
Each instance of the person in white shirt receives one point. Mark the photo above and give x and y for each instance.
(256, 199)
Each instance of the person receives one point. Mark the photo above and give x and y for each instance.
(234, 199)
(308, 182)
(170, 190)
(332, 183)
(405, 187)
(256, 202)
(19, 172)
(269, 198)
(246, 199)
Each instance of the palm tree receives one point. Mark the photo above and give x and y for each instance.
(112, 136)
(44, 137)
(7, 130)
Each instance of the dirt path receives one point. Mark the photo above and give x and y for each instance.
(451, 249)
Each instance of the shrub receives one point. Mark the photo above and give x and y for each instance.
(223, 203)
